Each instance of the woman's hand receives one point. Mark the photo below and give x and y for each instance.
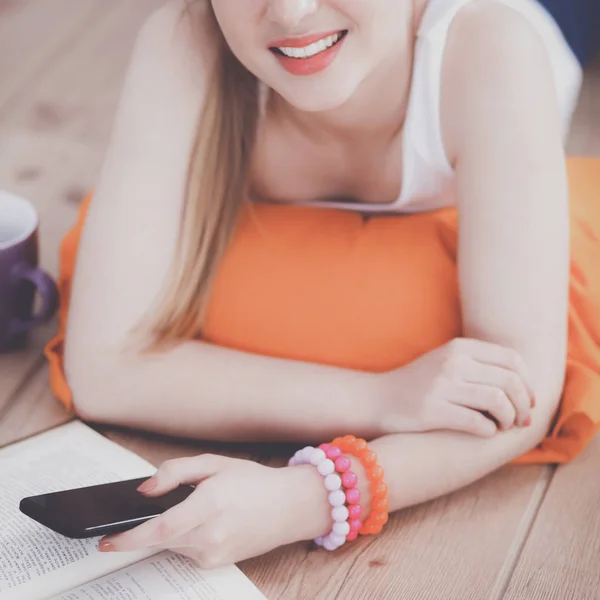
(455, 386)
(238, 510)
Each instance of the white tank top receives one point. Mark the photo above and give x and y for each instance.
(428, 178)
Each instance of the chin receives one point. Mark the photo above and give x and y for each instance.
(317, 97)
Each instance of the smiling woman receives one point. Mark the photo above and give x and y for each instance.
(245, 295)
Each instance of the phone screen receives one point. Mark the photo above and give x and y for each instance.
(100, 509)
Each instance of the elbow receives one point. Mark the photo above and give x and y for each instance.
(90, 378)
(544, 414)
(547, 366)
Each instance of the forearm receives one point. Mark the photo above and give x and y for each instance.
(209, 392)
(419, 467)
(424, 466)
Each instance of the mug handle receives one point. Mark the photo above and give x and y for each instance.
(48, 291)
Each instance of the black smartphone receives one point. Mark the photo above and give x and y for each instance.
(99, 509)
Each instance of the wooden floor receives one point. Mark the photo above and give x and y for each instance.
(521, 533)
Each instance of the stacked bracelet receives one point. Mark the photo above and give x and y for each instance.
(352, 493)
(379, 501)
(345, 527)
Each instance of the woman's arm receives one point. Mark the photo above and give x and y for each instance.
(501, 118)
(505, 133)
(195, 390)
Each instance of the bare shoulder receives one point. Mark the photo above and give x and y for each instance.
(162, 95)
(492, 51)
(156, 119)
(489, 30)
(173, 46)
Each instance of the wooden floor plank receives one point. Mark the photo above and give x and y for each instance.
(31, 411)
(33, 33)
(18, 365)
(561, 557)
(53, 139)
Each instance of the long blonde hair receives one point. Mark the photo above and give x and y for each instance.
(216, 187)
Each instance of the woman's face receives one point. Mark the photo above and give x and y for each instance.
(315, 53)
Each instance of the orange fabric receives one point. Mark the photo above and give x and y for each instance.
(324, 285)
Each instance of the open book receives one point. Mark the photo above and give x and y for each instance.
(39, 564)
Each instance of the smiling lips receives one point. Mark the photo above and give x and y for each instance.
(308, 54)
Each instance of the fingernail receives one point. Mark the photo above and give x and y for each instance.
(148, 485)
(527, 422)
(106, 547)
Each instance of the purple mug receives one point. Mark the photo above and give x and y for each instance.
(20, 277)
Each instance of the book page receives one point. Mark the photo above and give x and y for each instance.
(168, 576)
(36, 562)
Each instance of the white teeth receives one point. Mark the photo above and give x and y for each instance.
(312, 49)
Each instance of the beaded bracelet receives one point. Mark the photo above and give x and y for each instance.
(324, 462)
(349, 481)
(380, 504)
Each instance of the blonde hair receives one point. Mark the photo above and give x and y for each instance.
(217, 182)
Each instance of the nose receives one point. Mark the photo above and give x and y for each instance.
(290, 13)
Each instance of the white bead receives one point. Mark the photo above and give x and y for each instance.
(340, 514)
(333, 482)
(337, 538)
(329, 545)
(326, 467)
(319, 540)
(293, 462)
(306, 453)
(341, 528)
(337, 498)
(317, 456)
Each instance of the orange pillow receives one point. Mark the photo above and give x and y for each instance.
(328, 286)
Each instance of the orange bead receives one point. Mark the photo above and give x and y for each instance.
(381, 505)
(348, 439)
(371, 529)
(379, 489)
(336, 442)
(359, 446)
(368, 458)
(380, 519)
(375, 473)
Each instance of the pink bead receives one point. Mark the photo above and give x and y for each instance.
(352, 536)
(355, 511)
(355, 524)
(333, 452)
(342, 464)
(325, 447)
(353, 496)
(349, 479)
